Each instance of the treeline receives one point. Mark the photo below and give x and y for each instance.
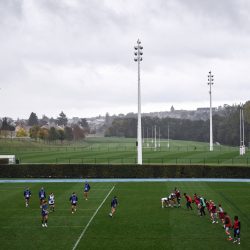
(53, 134)
(225, 127)
(47, 129)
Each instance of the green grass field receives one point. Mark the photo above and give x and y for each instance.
(122, 151)
(140, 222)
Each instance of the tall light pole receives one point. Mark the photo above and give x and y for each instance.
(210, 83)
(138, 58)
(242, 135)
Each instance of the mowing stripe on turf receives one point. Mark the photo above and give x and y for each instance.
(85, 229)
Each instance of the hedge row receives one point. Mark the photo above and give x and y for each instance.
(4, 161)
(121, 171)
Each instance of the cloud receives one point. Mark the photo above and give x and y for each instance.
(77, 56)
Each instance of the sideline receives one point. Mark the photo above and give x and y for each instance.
(124, 180)
(85, 229)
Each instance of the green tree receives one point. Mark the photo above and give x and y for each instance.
(68, 133)
(6, 124)
(61, 135)
(43, 134)
(33, 120)
(34, 132)
(84, 124)
(62, 119)
(53, 134)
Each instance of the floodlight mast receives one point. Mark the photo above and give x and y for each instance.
(242, 136)
(138, 58)
(210, 83)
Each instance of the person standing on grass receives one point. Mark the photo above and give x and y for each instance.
(236, 227)
(52, 202)
(45, 213)
(42, 196)
(86, 190)
(189, 201)
(196, 200)
(114, 204)
(221, 214)
(73, 199)
(27, 195)
(202, 206)
(227, 225)
(178, 197)
(214, 213)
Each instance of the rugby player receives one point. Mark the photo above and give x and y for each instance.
(165, 202)
(221, 214)
(214, 213)
(236, 227)
(86, 190)
(202, 206)
(178, 197)
(45, 213)
(27, 195)
(52, 202)
(114, 204)
(189, 201)
(42, 196)
(227, 225)
(73, 199)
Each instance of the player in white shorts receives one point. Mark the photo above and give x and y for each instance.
(52, 202)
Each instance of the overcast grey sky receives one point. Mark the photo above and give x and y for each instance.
(76, 56)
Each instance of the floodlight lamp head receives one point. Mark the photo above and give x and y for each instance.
(138, 41)
(135, 59)
(141, 47)
(140, 59)
(136, 48)
(135, 53)
(141, 53)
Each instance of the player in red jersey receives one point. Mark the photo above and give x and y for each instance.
(236, 227)
(196, 200)
(214, 213)
(207, 205)
(227, 225)
(178, 197)
(221, 214)
(210, 205)
(189, 201)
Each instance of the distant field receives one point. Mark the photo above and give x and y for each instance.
(140, 222)
(122, 150)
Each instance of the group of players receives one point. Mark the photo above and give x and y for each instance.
(173, 200)
(46, 208)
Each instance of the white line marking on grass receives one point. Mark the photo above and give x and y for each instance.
(93, 216)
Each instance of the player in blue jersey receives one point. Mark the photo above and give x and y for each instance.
(73, 199)
(27, 195)
(114, 204)
(86, 190)
(44, 213)
(52, 202)
(42, 196)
